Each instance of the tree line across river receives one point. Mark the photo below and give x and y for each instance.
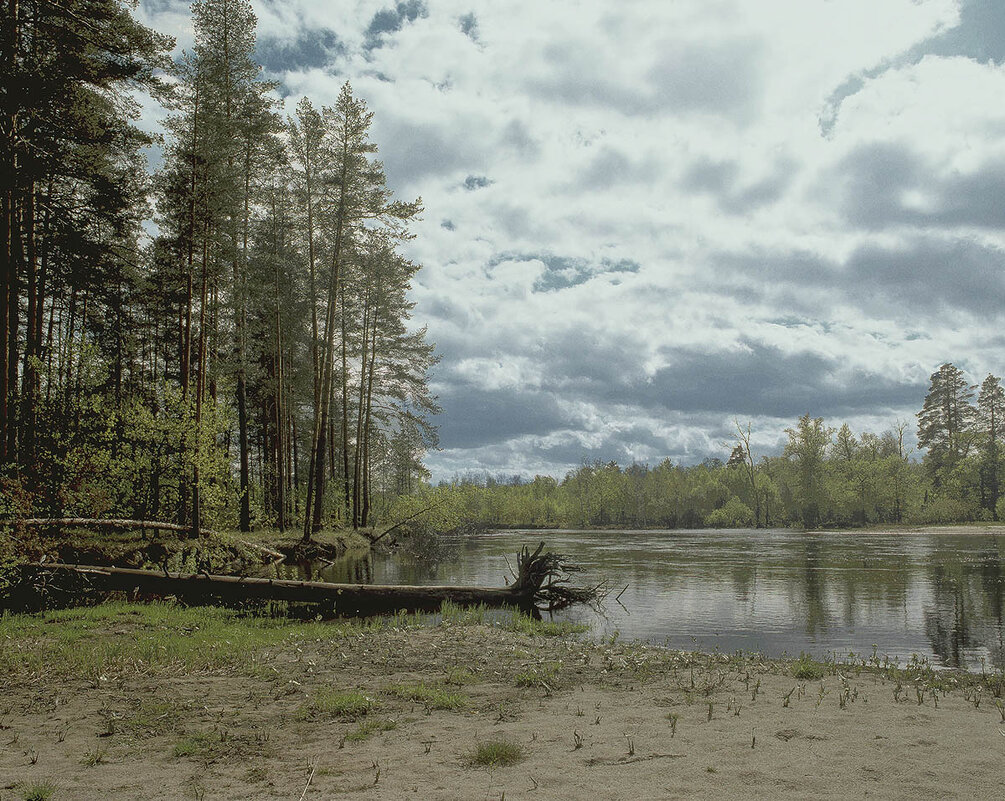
(824, 477)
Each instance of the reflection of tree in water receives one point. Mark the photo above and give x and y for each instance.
(813, 584)
(355, 567)
(969, 603)
(420, 556)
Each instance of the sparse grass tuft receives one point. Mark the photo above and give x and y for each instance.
(329, 702)
(431, 696)
(537, 675)
(38, 791)
(366, 729)
(805, 668)
(495, 753)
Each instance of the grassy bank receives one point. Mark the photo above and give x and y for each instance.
(160, 701)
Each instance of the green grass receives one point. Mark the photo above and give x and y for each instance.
(121, 638)
(496, 753)
(535, 675)
(805, 668)
(37, 791)
(430, 695)
(330, 703)
(196, 744)
(366, 729)
(507, 619)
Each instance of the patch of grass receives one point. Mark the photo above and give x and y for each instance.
(119, 638)
(534, 676)
(152, 718)
(92, 758)
(38, 791)
(329, 702)
(805, 668)
(495, 753)
(195, 744)
(366, 729)
(459, 676)
(220, 744)
(524, 624)
(432, 696)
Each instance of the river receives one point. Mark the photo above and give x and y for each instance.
(940, 596)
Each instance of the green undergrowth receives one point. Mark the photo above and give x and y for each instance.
(328, 702)
(508, 620)
(432, 696)
(119, 638)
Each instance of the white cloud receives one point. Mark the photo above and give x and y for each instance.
(683, 139)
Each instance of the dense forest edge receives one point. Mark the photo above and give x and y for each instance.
(226, 344)
(825, 477)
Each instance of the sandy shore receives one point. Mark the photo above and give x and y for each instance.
(584, 721)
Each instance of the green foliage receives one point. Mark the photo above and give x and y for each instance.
(430, 696)
(333, 703)
(496, 753)
(38, 791)
(734, 514)
(805, 668)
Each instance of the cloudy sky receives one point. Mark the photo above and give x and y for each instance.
(647, 219)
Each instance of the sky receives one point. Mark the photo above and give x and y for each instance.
(646, 221)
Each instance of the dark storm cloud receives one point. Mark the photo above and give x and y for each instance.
(705, 175)
(468, 24)
(761, 380)
(391, 20)
(411, 150)
(473, 417)
(473, 182)
(721, 180)
(923, 276)
(931, 276)
(312, 48)
(610, 167)
(875, 180)
(562, 272)
(718, 79)
(980, 35)
(721, 79)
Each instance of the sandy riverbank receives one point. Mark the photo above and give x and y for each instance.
(162, 705)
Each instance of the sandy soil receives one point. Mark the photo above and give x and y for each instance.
(593, 721)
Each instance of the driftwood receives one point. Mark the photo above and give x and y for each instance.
(541, 581)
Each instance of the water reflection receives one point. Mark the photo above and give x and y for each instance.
(935, 595)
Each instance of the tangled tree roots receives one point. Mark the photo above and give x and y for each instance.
(546, 578)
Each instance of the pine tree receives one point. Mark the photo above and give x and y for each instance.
(990, 425)
(946, 421)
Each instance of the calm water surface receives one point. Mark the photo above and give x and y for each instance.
(937, 595)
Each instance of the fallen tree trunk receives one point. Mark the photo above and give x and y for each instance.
(345, 599)
(540, 580)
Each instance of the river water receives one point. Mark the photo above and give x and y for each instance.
(939, 596)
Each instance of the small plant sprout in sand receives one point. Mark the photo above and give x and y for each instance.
(673, 717)
(577, 740)
(495, 753)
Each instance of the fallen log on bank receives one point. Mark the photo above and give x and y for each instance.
(541, 581)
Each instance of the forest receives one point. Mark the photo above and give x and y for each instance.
(225, 342)
(825, 477)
